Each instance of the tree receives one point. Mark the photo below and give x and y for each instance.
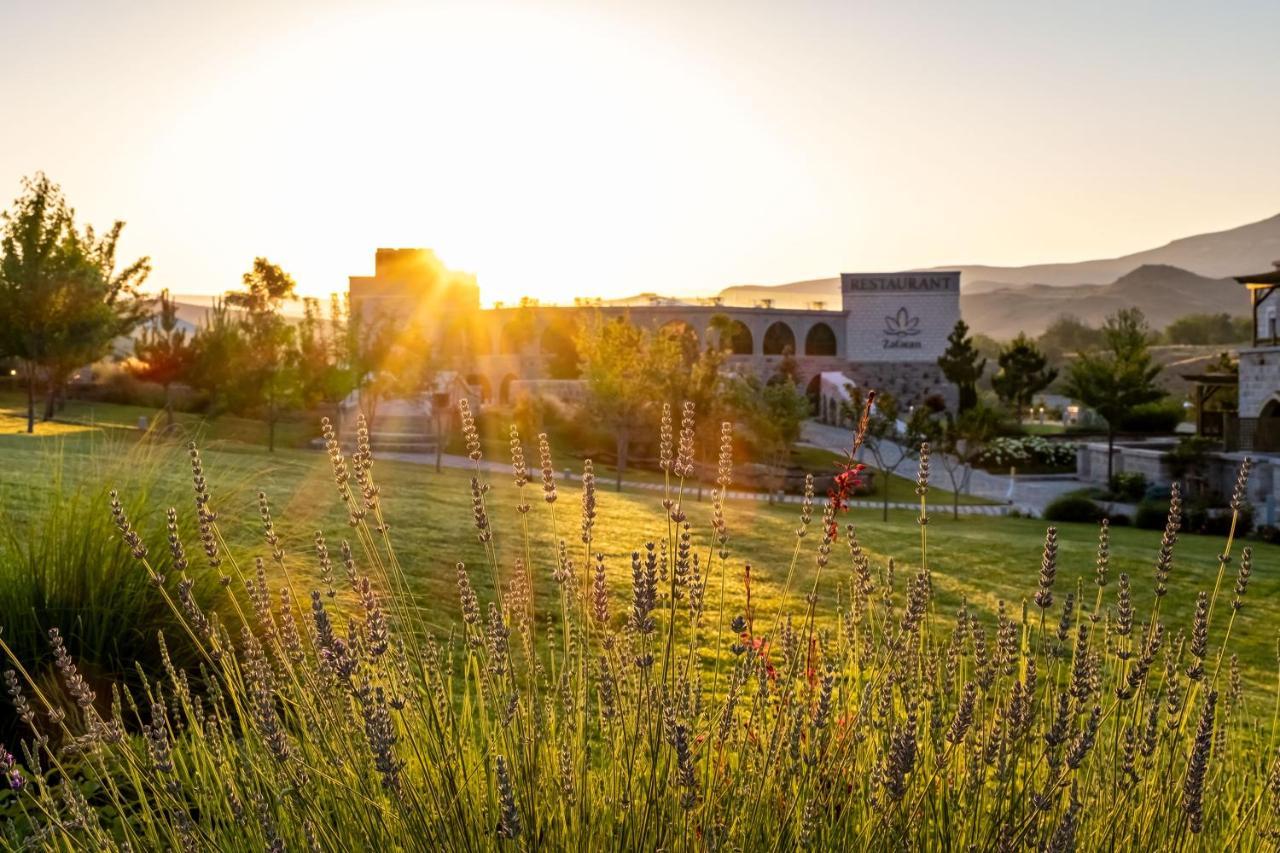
(773, 413)
(268, 335)
(963, 365)
(623, 368)
(1116, 381)
(162, 354)
(1024, 372)
(220, 356)
(701, 381)
(888, 444)
(1201, 329)
(63, 285)
(958, 442)
(1069, 334)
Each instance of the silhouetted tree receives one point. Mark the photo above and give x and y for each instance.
(1024, 372)
(963, 365)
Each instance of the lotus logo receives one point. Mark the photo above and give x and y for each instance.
(902, 324)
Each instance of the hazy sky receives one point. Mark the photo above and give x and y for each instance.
(561, 149)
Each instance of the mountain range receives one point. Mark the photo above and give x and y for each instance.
(1186, 276)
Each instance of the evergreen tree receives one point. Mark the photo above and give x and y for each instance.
(1116, 381)
(1024, 372)
(963, 365)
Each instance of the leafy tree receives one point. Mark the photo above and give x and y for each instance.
(1116, 381)
(220, 354)
(889, 445)
(1069, 334)
(63, 285)
(623, 368)
(773, 413)
(269, 336)
(1202, 329)
(963, 365)
(162, 354)
(1024, 372)
(701, 381)
(958, 442)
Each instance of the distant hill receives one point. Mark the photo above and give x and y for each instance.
(1164, 294)
(1186, 276)
(1236, 251)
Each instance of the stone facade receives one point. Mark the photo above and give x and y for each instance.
(888, 333)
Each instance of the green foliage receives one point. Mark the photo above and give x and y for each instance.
(1072, 507)
(1113, 383)
(63, 298)
(1128, 486)
(772, 414)
(963, 365)
(1023, 372)
(1068, 335)
(815, 706)
(162, 354)
(1160, 416)
(624, 368)
(1202, 329)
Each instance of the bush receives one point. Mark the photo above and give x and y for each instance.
(1151, 515)
(1161, 417)
(1269, 533)
(1027, 451)
(1129, 486)
(1072, 508)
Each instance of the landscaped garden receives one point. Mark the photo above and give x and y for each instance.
(836, 694)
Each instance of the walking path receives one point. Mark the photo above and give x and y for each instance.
(451, 460)
(1027, 495)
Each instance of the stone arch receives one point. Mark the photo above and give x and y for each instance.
(560, 351)
(779, 339)
(1266, 432)
(736, 337)
(504, 388)
(814, 392)
(481, 384)
(821, 340)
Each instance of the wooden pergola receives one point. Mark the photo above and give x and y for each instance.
(1205, 386)
(1261, 287)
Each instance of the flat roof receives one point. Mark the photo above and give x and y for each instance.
(1272, 277)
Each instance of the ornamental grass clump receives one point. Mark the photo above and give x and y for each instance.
(684, 712)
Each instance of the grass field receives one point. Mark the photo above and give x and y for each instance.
(979, 559)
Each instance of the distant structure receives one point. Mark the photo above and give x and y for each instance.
(412, 286)
(887, 334)
(1259, 401)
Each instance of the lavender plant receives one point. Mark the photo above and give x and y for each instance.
(677, 714)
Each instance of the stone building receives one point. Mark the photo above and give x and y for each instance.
(1259, 401)
(887, 333)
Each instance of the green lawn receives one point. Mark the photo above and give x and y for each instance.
(981, 559)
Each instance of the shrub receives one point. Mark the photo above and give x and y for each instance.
(1151, 515)
(1006, 452)
(1129, 486)
(1160, 417)
(1072, 507)
(682, 713)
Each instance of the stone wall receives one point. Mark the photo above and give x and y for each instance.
(1259, 379)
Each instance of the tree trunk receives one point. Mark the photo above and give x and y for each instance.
(49, 401)
(1111, 449)
(621, 461)
(31, 398)
(439, 440)
(168, 408)
(885, 474)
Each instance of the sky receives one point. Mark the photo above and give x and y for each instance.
(561, 149)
